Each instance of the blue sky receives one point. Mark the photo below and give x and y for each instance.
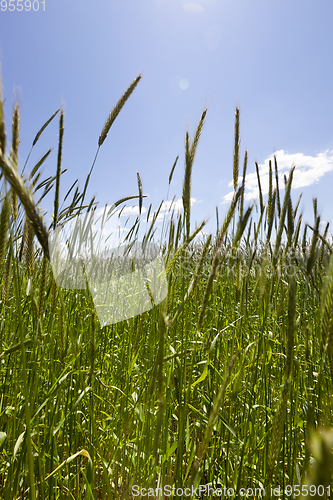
(273, 59)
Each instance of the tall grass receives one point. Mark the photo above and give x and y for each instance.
(226, 383)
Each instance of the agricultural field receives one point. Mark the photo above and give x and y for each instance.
(227, 382)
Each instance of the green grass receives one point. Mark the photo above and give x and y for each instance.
(227, 382)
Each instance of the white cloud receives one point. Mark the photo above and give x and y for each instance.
(170, 206)
(129, 211)
(309, 169)
(193, 7)
(125, 211)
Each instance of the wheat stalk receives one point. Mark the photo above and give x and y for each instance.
(242, 225)
(42, 285)
(291, 322)
(29, 247)
(211, 422)
(282, 216)
(54, 293)
(277, 187)
(6, 283)
(183, 246)
(92, 345)
(4, 224)
(297, 205)
(236, 150)
(280, 415)
(113, 115)
(39, 133)
(61, 331)
(327, 310)
(277, 430)
(189, 158)
(217, 258)
(187, 182)
(323, 243)
(41, 130)
(243, 186)
(229, 215)
(256, 231)
(197, 275)
(270, 191)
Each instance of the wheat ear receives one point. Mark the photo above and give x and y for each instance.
(304, 239)
(291, 222)
(57, 189)
(315, 203)
(313, 248)
(27, 201)
(297, 230)
(2, 125)
(271, 218)
(116, 110)
(260, 191)
(14, 153)
(172, 170)
(140, 191)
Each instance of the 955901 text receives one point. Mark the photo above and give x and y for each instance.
(20, 5)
